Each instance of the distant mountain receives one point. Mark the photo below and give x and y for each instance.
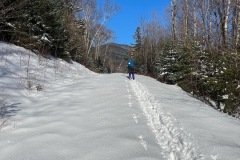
(115, 51)
(117, 54)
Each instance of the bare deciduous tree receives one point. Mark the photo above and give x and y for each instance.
(212, 22)
(95, 19)
(103, 36)
(174, 14)
(223, 7)
(152, 36)
(238, 23)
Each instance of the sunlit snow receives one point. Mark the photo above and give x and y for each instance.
(54, 110)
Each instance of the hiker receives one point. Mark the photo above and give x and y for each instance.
(131, 67)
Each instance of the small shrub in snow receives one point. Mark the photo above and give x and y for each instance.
(3, 122)
(3, 107)
(39, 87)
(29, 85)
(3, 104)
(3, 101)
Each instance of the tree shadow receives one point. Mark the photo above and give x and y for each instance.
(127, 76)
(9, 110)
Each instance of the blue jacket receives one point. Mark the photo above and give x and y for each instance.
(130, 62)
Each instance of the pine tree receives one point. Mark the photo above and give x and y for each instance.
(140, 65)
(38, 25)
(138, 40)
(172, 64)
(10, 10)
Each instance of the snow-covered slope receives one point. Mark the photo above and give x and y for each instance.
(79, 115)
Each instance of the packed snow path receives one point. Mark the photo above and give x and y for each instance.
(87, 119)
(100, 117)
(172, 140)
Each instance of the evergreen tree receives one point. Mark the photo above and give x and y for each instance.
(48, 26)
(172, 64)
(10, 11)
(42, 22)
(140, 65)
(138, 40)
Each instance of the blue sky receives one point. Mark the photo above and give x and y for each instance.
(124, 22)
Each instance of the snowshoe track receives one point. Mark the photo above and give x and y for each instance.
(176, 145)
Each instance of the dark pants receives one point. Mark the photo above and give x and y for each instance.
(131, 72)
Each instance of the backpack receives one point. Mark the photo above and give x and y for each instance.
(130, 62)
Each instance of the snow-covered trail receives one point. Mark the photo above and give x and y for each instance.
(173, 141)
(100, 117)
(184, 126)
(93, 118)
(81, 115)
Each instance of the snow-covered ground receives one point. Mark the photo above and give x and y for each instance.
(80, 115)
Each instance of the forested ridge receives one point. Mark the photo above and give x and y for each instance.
(197, 49)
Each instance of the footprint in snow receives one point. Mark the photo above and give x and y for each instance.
(130, 104)
(143, 143)
(130, 97)
(135, 118)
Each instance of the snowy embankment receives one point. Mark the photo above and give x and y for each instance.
(60, 111)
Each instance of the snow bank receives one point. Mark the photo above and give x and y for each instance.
(30, 71)
(25, 73)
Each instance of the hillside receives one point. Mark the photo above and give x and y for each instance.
(117, 53)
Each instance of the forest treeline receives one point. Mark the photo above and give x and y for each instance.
(197, 48)
(68, 29)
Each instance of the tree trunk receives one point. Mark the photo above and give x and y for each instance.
(194, 20)
(223, 11)
(174, 14)
(226, 15)
(186, 20)
(234, 25)
(238, 24)
(210, 10)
